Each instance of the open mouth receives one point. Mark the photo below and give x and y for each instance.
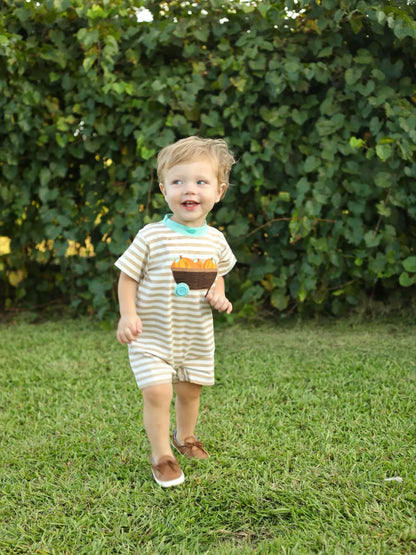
(189, 203)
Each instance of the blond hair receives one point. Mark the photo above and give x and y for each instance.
(191, 148)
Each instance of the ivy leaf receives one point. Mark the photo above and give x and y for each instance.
(279, 299)
(405, 280)
(372, 239)
(87, 37)
(44, 176)
(312, 163)
(238, 229)
(383, 151)
(88, 62)
(356, 142)
(383, 179)
(409, 264)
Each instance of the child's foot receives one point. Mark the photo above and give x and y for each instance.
(167, 472)
(191, 448)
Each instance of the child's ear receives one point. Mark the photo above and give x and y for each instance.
(222, 187)
(162, 189)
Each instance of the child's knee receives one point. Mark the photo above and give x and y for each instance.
(157, 394)
(188, 390)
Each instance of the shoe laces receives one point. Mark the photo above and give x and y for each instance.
(170, 462)
(192, 442)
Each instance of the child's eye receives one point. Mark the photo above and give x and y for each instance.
(177, 182)
(202, 182)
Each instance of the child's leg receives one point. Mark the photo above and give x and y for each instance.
(187, 409)
(156, 418)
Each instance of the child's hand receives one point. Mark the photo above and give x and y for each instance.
(219, 302)
(129, 328)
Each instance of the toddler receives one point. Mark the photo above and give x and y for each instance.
(171, 276)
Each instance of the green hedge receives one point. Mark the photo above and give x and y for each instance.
(319, 107)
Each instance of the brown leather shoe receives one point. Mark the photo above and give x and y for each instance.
(167, 472)
(192, 448)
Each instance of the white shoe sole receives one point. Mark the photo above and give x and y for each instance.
(175, 482)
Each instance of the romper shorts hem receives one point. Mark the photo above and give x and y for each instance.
(149, 370)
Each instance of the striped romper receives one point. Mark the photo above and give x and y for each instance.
(177, 341)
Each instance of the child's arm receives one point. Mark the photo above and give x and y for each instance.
(129, 325)
(217, 299)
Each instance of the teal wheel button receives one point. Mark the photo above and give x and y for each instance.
(182, 289)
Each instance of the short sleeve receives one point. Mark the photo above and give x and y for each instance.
(134, 260)
(227, 260)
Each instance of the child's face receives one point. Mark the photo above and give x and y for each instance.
(191, 189)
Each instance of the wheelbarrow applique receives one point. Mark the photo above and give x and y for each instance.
(193, 274)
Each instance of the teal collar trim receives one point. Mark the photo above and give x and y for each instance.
(184, 229)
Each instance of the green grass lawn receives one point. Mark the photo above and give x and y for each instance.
(305, 425)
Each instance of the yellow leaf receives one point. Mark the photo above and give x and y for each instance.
(15, 278)
(4, 245)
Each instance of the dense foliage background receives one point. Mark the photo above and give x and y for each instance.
(316, 99)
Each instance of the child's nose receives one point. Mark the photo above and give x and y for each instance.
(189, 187)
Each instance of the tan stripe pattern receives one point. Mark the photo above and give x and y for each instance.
(177, 331)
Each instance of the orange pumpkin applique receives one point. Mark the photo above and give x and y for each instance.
(196, 274)
(183, 262)
(210, 264)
